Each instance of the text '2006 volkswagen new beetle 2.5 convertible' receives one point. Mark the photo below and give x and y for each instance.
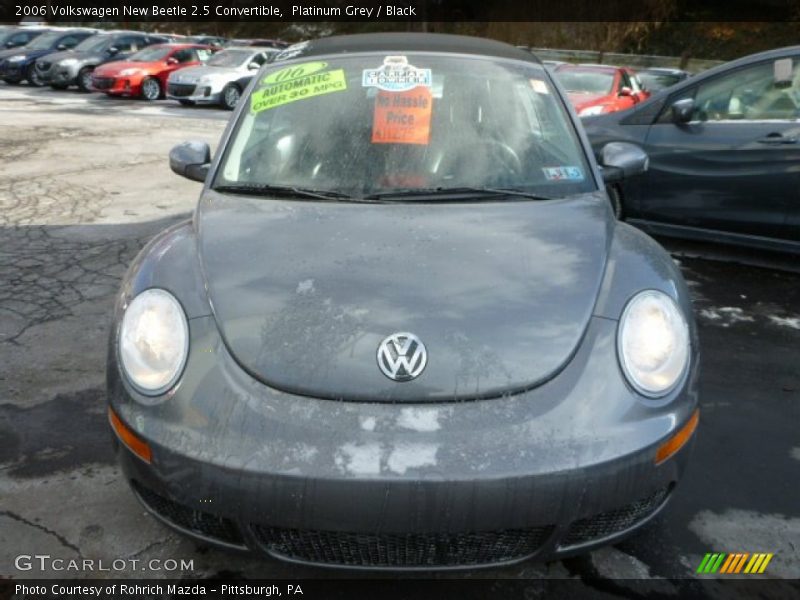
(403, 328)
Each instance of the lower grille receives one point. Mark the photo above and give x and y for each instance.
(402, 550)
(614, 521)
(103, 83)
(196, 521)
(180, 90)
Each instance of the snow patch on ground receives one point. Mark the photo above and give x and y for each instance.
(749, 531)
(791, 322)
(726, 315)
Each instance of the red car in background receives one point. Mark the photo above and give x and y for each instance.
(600, 89)
(145, 73)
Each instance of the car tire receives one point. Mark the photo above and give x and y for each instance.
(58, 86)
(33, 77)
(85, 79)
(230, 96)
(11, 81)
(151, 89)
(187, 102)
(615, 198)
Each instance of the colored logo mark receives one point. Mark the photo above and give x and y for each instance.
(741, 562)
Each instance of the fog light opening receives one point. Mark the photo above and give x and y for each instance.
(136, 445)
(678, 441)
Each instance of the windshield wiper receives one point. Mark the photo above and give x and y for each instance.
(265, 189)
(453, 191)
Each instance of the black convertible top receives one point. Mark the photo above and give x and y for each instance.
(405, 42)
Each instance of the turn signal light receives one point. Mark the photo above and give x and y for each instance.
(678, 441)
(136, 445)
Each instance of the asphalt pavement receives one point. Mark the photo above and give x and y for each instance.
(84, 183)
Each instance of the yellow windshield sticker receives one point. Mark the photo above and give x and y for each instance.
(297, 83)
(293, 72)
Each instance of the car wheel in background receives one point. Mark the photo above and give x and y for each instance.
(230, 96)
(58, 86)
(11, 81)
(187, 102)
(33, 77)
(85, 79)
(615, 197)
(151, 89)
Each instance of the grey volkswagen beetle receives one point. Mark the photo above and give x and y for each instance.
(403, 329)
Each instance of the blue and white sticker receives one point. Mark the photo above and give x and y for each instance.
(396, 75)
(563, 173)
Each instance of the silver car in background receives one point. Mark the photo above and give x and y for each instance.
(216, 81)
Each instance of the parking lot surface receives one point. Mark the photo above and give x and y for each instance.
(84, 183)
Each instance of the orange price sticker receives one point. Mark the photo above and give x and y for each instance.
(403, 117)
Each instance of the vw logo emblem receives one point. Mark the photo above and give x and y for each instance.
(402, 356)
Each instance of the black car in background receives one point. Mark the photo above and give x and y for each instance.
(656, 79)
(14, 37)
(19, 64)
(724, 151)
(64, 69)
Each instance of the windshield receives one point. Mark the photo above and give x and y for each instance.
(229, 58)
(363, 125)
(658, 81)
(93, 44)
(152, 54)
(586, 81)
(44, 41)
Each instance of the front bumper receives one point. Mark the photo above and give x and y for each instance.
(14, 71)
(57, 74)
(117, 86)
(199, 94)
(551, 472)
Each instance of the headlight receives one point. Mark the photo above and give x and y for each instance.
(129, 72)
(17, 58)
(653, 343)
(591, 111)
(153, 341)
(68, 62)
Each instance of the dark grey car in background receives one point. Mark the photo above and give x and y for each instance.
(724, 151)
(403, 328)
(74, 67)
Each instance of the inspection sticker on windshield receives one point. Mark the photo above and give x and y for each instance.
(297, 82)
(563, 173)
(539, 86)
(402, 117)
(396, 75)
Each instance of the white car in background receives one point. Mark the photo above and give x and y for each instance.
(215, 82)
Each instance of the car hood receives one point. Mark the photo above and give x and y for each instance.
(17, 52)
(113, 68)
(193, 74)
(500, 293)
(80, 56)
(56, 57)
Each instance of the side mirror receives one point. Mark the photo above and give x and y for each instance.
(682, 110)
(61, 47)
(620, 160)
(172, 60)
(112, 50)
(626, 91)
(191, 160)
(253, 66)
